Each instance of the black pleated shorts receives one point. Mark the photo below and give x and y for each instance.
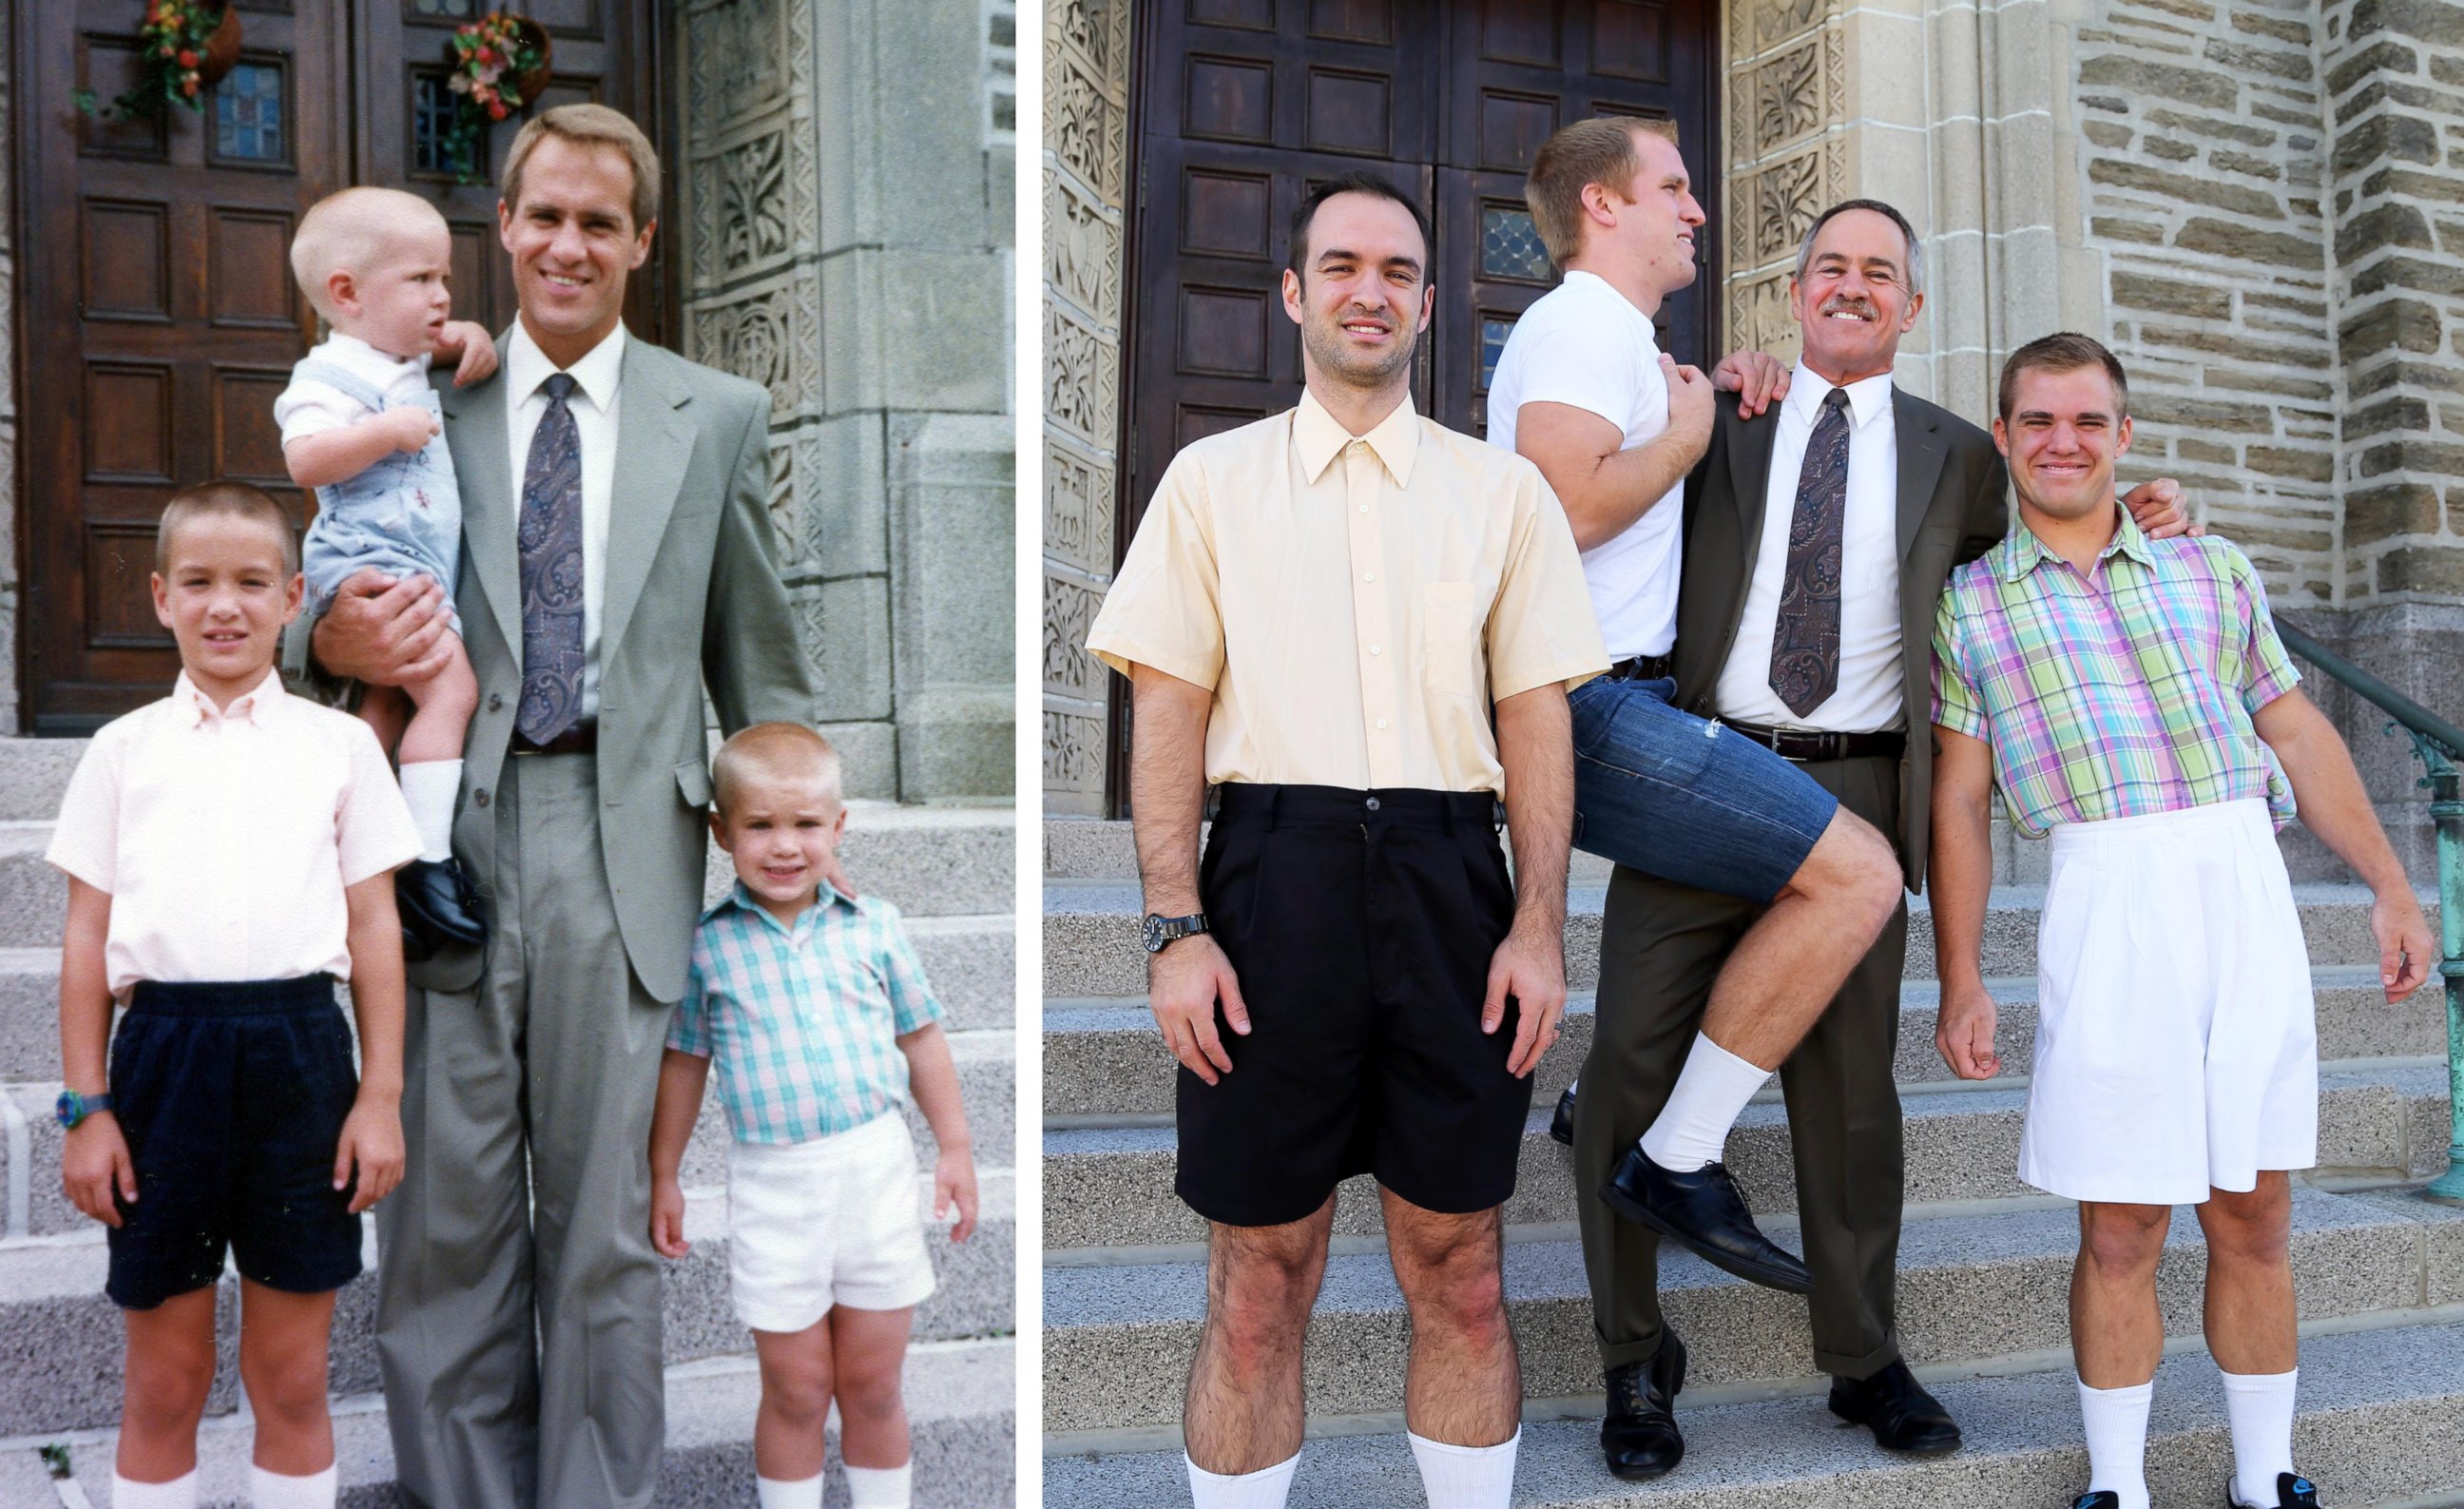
(1361, 925)
(232, 1095)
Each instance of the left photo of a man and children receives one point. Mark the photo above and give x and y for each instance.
(515, 765)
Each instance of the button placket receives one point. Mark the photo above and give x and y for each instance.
(1373, 618)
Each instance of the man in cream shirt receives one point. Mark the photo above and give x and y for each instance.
(1317, 614)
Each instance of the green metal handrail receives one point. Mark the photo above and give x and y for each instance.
(2439, 744)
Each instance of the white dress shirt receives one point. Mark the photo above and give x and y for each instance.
(1869, 696)
(594, 403)
(1586, 345)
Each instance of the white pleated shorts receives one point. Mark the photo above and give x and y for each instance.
(837, 1220)
(2177, 1049)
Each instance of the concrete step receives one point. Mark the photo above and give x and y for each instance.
(62, 1341)
(960, 1408)
(1113, 1186)
(1104, 1057)
(2381, 1422)
(987, 1088)
(1092, 947)
(1972, 1287)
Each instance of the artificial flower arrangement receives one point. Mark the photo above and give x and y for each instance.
(183, 47)
(500, 63)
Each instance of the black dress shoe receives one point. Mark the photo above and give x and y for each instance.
(436, 905)
(2293, 1491)
(1904, 1416)
(1561, 1125)
(2102, 1498)
(1704, 1211)
(1639, 1436)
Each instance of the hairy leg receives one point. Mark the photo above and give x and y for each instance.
(2117, 1333)
(2251, 1323)
(1242, 1411)
(1463, 1386)
(1793, 959)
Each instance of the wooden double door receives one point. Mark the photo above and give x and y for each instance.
(157, 306)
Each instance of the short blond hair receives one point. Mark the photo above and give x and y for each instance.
(1599, 150)
(348, 232)
(775, 750)
(222, 498)
(590, 125)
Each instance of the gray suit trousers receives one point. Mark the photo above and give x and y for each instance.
(1662, 948)
(517, 1311)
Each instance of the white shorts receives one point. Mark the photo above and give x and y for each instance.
(2176, 1047)
(838, 1220)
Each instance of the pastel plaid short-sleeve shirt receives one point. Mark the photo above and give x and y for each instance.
(801, 1022)
(2120, 693)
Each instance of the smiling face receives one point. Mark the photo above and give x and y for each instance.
(2062, 437)
(225, 596)
(1654, 221)
(1366, 295)
(400, 302)
(780, 827)
(1853, 300)
(573, 240)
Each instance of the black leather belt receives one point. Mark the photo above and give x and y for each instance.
(583, 738)
(1645, 668)
(1791, 744)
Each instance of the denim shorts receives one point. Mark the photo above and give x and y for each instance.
(1691, 802)
(233, 1097)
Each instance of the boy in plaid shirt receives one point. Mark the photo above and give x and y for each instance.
(2131, 698)
(818, 1018)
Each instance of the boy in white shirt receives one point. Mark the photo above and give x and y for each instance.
(230, 853)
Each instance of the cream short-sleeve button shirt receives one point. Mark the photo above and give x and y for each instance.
(1356, 605)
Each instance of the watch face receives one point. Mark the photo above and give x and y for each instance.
(69, 1109)
(1154, 938)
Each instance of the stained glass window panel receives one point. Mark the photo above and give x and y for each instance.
(1509, 245)
(433, 148)
(247, 115)
(1493, 345)
(454, 10)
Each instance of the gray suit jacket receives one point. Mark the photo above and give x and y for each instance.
(1953, 489)
(693, 601)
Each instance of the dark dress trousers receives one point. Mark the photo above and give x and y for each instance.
(1663, 944)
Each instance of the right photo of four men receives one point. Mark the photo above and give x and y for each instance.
(1517, 596)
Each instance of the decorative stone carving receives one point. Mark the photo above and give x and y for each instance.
(787, 500)
(1073, 753)
(1087, 132)
(1100, 31)
(1082, 247)
(772, 336)
(1081, 378)
(740, 58)
(1077, 510)
(1068, 611)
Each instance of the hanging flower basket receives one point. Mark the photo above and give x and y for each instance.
(184, 47)
(499, 65)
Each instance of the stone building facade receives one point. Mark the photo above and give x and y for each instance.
(842, 189)
(2260, 203)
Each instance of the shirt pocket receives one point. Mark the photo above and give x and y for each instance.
(1451, 652)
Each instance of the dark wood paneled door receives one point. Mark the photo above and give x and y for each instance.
(158, 311)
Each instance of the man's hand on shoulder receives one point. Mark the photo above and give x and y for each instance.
(383, 631)
(1183, 983)
(1758, 379)
(2160, 511)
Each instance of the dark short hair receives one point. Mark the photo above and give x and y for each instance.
(1907, 235)
(2064, 351)
(224, 498)
(1297, 243)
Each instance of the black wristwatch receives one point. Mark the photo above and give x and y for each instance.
(1161, 930)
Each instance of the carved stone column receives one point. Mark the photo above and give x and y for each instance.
(1086, 148)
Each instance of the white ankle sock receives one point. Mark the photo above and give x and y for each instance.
(278, 1491)
(1711, 1090)
(1465, 1476)
(2117, 1441)
(179, 1492)
(2259, 1409)
(879, 1487)
(1263, 1488)
(428, 789)
(771, 1493)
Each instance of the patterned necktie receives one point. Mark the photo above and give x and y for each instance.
(550, 554)
(1805, 641)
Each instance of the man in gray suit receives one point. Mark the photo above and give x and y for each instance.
(611, 573)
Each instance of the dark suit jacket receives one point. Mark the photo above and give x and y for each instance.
(1953, 491)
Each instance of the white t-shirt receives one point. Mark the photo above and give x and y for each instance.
(1585, 344)
(1870, 693)
(307, 407)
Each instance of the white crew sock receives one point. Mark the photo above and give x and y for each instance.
(2117, 1441)
(887, 1487)
(1465, 1476)
(1711, 1091)
(2259, 1409)
(428, 789)
(771, 1493)
(1263, 1488)
(279, 1491)
(179, 1492)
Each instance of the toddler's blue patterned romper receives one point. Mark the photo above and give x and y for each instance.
(401, 515)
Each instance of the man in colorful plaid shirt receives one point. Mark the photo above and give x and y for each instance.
(2131, 698)
(817, 1014)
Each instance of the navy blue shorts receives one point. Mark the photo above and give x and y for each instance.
(1690, 801)
(232, 1097)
